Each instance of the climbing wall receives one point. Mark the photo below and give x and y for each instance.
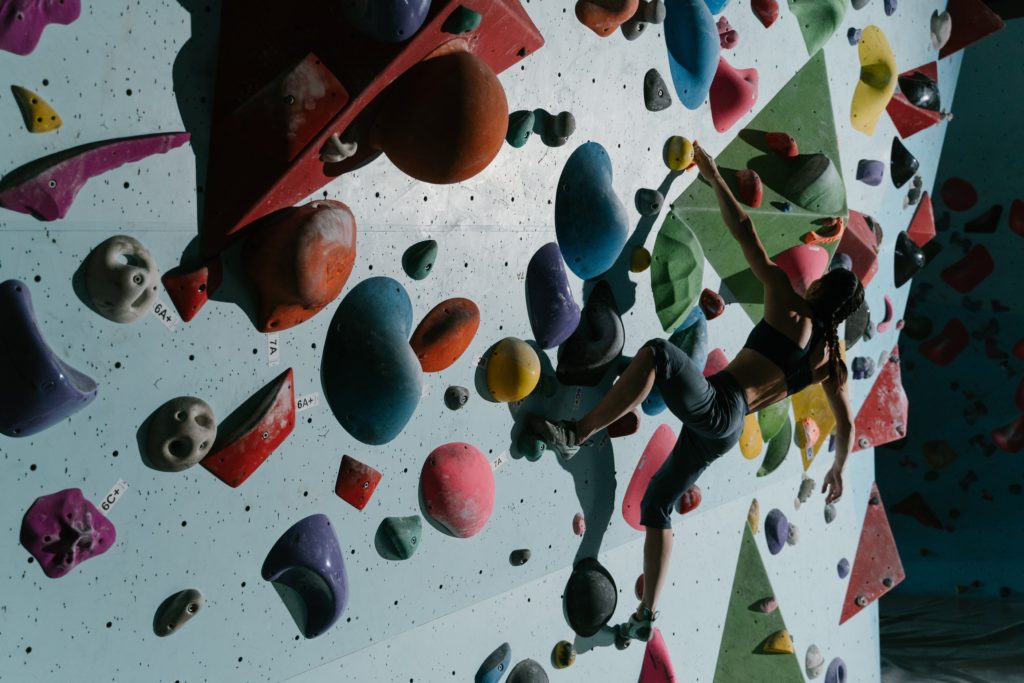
(274, 499)
(953, 487)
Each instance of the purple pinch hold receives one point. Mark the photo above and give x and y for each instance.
(63, 529)
(870, 172)
(554, 314)
(22, 21)
(776, 531)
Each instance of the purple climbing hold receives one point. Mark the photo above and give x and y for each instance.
(553, 312)
(843, 568)
(836, 672)
(308, 559)
(776, 531)
(841, 260)
(45, 188)
(37, 389)
(870, 172)
(853, 35)
(890, 7)
(389, 21)
(63, 529)
(22, 21)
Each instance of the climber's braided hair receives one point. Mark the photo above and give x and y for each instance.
(838, 296)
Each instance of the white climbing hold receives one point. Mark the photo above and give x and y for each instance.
(941, 28)
(334, 150)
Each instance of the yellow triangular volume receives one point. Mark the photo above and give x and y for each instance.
(778, 643)
(39, 116)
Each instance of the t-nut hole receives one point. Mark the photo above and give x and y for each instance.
(266, 435)
(52, 183)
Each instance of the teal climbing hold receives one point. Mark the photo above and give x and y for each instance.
(529, 446)
(520, 127)
(693, 49)
(462, 20)
(398, 538)
(418, 260)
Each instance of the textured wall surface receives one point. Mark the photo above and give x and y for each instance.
(134, 68)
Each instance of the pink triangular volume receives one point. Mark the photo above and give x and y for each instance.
(877, 568)
(657, 666)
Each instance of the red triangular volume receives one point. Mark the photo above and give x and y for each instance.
(877, 568)
(972, 21)
(908, 118)
(657, 667)
(883, 415)
(922, 225)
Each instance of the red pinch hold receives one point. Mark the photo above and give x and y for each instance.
(190, 290)
(782, 144)
(767, 11)
(356, 482)
(750, 187)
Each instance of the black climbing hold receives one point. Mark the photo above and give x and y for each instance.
(647, 12)
(519, 557)
(590, 597)
(656, 95)
(920, 90)
(902, 164)
(648, 202)
(856, 325)
(598, 340)
(455, 397)
(554, 129)
(986, 222)
(909, 259)
(528, 671)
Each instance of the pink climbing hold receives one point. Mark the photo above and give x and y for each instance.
(46, 188)
(657, 666)
(733, 94)
(750, 187)
(803, 264)
(958, 194)
(922, 225)
(457, 487)
(689, 501)
(1017, 217)
(886, 322)
(728, 37)
(1010, 437)
(579, 524)
(766, 11)
(717, 361)
(712, 303)
(63, 529)
(782, 144)
(969, 271)
(22, 21)
(653, 457)
(943, 348)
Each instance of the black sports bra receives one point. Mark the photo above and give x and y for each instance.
(793, 360)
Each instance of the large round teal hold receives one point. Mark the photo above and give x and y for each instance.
(591, 224)
(371, 377)
(693, 49)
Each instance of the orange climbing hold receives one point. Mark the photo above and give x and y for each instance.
(190, 290)
(831, 230)
(445, 333)
(604, 16)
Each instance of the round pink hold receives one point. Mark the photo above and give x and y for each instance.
(579, 524)
(457, 488)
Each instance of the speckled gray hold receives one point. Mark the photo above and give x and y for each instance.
(656, 96)
(554, 129)
(180, 434)
(793, 537)
(455, 397)
(528, 671)
(648, 202)
(806, 489)
(519, 557)
(174, 612)
(830, 513)
(859, 4)
(647, 12)
(122, 279)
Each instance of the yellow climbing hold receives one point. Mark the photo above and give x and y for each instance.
(513, 370)
(754, 516)
(39, 116)
(812, 403)
(639, 260)
(751, 441)
(678, 153)
(877, 80)
(778, 643)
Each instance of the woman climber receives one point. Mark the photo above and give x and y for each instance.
(795, 345)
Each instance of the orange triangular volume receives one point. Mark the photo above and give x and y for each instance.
(922, 225)
(877, 568)
(883, 415)
(657, 667)
(972, 21)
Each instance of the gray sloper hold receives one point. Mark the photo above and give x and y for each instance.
(174, 612)
(814, 662)
(656, 94)
(121, 279)
(455, 397)
(180, 434)
(519, 557)
(590, 597)
(830, 513)
(648, 202)
(528, 671)
(647, 12)
(597, 341)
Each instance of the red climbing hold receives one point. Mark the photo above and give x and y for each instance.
(717, 360)
(958, 194)
(886, 322)
(969, 271)
(750, 187)
(356, 482)
(728, 37)
(972, 20)
(657, 666)
(922, 225)
(733, 94)
(1017, 217)
(877, 568)
(915, 506)
(457, 489)
(883, 415)
(1010, 437)
(190, 290)
(803, 264)
(947, 345)
(651, 460)
(690, 500)
(782, 143)
(860, 243)
(712, 303)
(767, 11)
(1018, 349)
(625, 425)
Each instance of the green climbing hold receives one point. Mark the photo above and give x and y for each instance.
(772, 418)
(529, 446)
(418, 260)
(778, 448)
(399, 537)
(677, 272)
(816, 185)
(818, 20)
(462, 20)
(520, 127)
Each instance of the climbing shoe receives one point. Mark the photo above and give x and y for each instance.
(638, 628)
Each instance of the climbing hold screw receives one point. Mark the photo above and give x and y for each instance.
(862, 601)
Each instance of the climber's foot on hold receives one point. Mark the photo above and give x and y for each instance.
(561, 435)
(639, 627)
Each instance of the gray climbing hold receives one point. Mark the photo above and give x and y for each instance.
(859, 4)
(793, 537)
(843, 568)
(455, 397)
(335, 151)
(941, 29)
(520, 127)
(648, 202)
(418, 260)
(830, 513)
(174, 612)
(853, 35)
(805, 492)
(398, 538)
(519, 557)
(656, 93)
(121, 279)
(527, 671)
(647, 12)
(180, 434)
(554, 129)
(814, 662)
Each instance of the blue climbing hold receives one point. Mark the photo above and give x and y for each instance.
(591, 224)
(389, 21)
(553, 312)
(716, 6)
(495, 666)
(693, 49)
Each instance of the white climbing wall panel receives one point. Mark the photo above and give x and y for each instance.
(131, 68)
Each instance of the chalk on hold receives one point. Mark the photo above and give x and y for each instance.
(39, 116)
(121, 279)
(693, 49)
(908, 259)
(830, 513)
(678, 153)
(754, 516)
(776, 530)
(902, 165)
(37, 388)
(180, 434)
(751, 190)
(462, 20)
(647, 12)
(728, 37)
(579, 524)
(814, 662)
(457, 489)
(513, 370)
(356, 482)
(941, 27)
(455, 397)
(63, 529)
(518, 558)
(418, 260)
(398, 538)
(733, 94)
(648, 202)
(335, 150)
(766, 11)
(782, 144)
(877, 81)
(22, 23)
(836, 672)
(495, 666)
(176, 611)
(656, 94)
(527, 671)
(778, 643)
(550, 306)
(604, 16)
(445, 333)
(520, 127)
(563, 655)
(590, 597)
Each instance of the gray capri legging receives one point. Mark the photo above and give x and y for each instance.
(712, 410)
